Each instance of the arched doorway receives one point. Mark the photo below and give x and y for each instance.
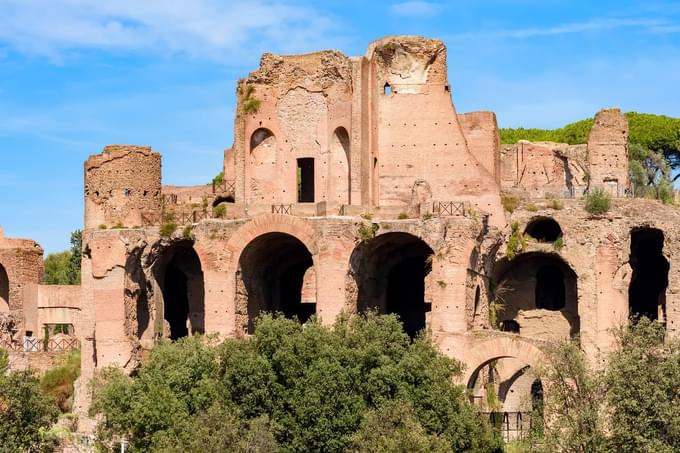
(508, 392)
(536, 293)
(647, 290)
(544, 229)
(180, 279)
(4, 290)
(276, 274)
(339, 181)
(390, 273)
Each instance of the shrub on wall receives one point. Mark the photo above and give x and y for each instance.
(597, 201)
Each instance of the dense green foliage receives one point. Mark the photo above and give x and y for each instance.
(63, 268)
(643, 390)
(630, 405)
(25, 414)
(598, 201)
(59, 382)
(56, 268)
(573, 133)
(358, 385)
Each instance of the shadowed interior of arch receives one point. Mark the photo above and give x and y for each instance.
(4, 290)
(544, 229)
(180, 278)
(647, 290)
(536, 281)
(277, 273)
(390, 272)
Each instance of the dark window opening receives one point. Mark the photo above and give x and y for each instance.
(550, 288)
(305, 180)
(221, 199)
(183, 294)
(390, 271)
(544, 229)
(647, 291)
(4, 290)
(510, 325)
(446, 88)
(387, 89)
(274, 267)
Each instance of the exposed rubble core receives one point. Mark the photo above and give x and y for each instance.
(353, 184)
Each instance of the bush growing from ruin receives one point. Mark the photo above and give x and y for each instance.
(59, 381)
(220, 211)
(516, 242)
(555, 204)
(167, 229)
(358, 385)
(402, 216)
(367, 231)
(510, 203)
(597, 201)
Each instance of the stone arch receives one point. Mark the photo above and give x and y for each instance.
(4, 290)
(285, 247)
(501, 346)
(179, 291)
(543, 229)
(539, 292)
(390, 272)
(276, 274)
(339, 168)
(262, 164)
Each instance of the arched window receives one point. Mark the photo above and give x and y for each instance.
(544, 229)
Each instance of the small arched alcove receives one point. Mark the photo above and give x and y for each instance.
(647, 290)
(277, 275)
(339, 181)
(4, 290)
(543, 229)
(179, 277)
(262, 164)
(390, 273)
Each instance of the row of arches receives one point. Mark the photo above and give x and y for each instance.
(276, 273)
(264, 163)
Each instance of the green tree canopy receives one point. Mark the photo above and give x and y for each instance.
(63, 268)
(313, 387)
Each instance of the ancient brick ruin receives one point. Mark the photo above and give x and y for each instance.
(353, 184)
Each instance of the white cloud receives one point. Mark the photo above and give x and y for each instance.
(652, 25)
(415, 8)
(199, 28)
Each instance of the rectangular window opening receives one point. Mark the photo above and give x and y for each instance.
(305, 180)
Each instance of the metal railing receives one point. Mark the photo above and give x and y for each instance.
(512, 425)
(448, 208)
(32, 344)
(282, 209)
(226, 186)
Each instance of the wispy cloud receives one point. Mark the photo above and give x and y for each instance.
(416, 8)
(592, 25)
(200, 28)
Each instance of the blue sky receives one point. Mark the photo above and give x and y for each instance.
(78, 74)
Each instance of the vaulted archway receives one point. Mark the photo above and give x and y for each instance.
(390, 273)
(339, 178)
(276, 274)
(179, 278)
